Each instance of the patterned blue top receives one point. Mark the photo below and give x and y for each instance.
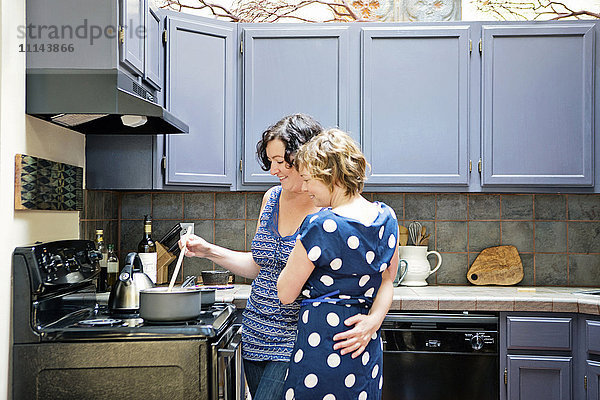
(269, 327)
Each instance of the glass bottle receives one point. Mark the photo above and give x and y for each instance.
(102, 285)
(147, 250)
(112, 266)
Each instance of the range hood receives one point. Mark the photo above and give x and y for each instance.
(103, 101)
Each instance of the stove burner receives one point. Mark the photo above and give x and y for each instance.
(100, 322)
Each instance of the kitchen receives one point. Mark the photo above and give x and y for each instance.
(481, 219)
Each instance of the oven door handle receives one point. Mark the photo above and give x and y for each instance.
(233, 353)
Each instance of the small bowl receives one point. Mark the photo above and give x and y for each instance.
(215, 277)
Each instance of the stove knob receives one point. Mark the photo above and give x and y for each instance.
(476, 342)
(94, 255)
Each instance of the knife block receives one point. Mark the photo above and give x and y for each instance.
(163, 260)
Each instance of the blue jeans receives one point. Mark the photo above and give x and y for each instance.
(265, 378)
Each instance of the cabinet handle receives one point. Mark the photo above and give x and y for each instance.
(585, 382)
(479, 166)
(481, 46)
(505, 377)
(121, 35)
(470, 166)
(165, 36)
(470, 46)
(241, 166)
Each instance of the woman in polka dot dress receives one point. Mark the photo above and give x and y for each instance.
(344, 262)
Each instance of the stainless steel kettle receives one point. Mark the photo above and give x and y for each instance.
(125, 294)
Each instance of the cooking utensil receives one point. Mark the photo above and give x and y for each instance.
(402, 235)
(215, 277)
(171, 234)
(160, 304)
(499, 265)
(179, 260)
(189, 281)
(414, 230)
(125, 294)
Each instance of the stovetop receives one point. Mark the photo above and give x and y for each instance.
(99, 324)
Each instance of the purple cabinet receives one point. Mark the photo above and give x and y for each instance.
(537, 105)
(592, 380)
(539, 377)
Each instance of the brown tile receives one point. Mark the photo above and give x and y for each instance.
(495, 305)
(566, 305)
(463, 304)
(530, 305)
(588, 307)
(415, 304)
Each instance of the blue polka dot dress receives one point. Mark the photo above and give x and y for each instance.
(349, 258)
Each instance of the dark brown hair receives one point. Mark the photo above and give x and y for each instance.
(293, 130)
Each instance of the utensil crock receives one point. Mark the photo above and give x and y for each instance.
(418, 268)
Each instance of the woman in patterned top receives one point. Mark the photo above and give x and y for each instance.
(344, 262)
(269, 327)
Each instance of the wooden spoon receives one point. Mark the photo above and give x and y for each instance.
(179, 261)
(402, 235)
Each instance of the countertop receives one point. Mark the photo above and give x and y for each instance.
(471, 298)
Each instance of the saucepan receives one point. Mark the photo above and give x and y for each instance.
(168, 304)
(158, 304)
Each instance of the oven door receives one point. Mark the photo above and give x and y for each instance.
(228, 381)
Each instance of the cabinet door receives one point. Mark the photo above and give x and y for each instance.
(415, 85)
(592, 372)
(537, 110)
(154, 56)
(133, 34)
(539, 377)
(288, 71)
(201, 90)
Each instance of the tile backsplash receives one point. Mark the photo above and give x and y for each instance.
(557, 236)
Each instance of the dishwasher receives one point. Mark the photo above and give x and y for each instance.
(440, 356)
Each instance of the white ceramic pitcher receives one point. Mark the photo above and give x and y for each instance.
(418, 266)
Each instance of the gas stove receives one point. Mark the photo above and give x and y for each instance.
(55, 298)
(99, 324)
(67, 345)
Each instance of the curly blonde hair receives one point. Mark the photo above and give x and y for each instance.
(333, 157)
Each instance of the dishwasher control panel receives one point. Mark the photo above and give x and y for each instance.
(440, 333)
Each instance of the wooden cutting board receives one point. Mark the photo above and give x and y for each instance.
(500, 265)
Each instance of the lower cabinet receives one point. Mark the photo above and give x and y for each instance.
(592, 380)
(537, 356)
(539, 377)
(549, 356)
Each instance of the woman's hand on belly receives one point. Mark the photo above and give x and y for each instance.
(356, 339)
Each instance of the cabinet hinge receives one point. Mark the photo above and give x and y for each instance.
(163, 163)
(241, 166)
(165, 36)
(585, 382)
(470, 166)
(470, 46)
(121, 34)
(481, 46)
(505, 376)
(241, 47)
(479, 165)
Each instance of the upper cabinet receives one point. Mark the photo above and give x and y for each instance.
(132, 33)
(200, 87)
(291, 69)
(455, 106)
(140, 41)
(415, 104)
(154, 60)
(537, 105)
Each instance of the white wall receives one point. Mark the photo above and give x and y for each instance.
(24, 135)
